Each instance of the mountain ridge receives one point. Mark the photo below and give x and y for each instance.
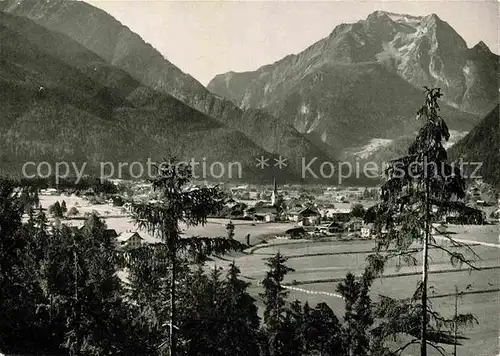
(382, 39)
(341, 92)
(362, 81)
(107, 37)
(63, 103)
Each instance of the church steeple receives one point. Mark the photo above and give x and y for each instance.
(274, 194)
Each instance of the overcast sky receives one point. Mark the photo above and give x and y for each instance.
(205, 38)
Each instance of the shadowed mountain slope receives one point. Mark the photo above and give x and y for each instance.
(482, 145)
(61, 102)
(118, 46)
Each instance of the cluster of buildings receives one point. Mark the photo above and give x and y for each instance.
(308, 214)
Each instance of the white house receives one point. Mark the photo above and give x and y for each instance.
(343, 215)
(48, 191)
(308, 217)
(293, 213)
(263, 213)
(130, 239)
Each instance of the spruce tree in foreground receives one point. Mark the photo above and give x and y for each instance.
(421, 188)
(358, 314)
(20, 292)
(275, 312)
(162, 218)
(295, 329)
(240, 315)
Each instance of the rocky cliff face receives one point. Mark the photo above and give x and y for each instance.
(117, 45)
(422, 50)
(362, 81)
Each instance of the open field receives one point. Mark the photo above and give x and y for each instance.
(258, 230)
(81, 204)
(481, 233)
(319, 265)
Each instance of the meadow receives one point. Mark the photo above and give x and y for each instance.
(319, 265)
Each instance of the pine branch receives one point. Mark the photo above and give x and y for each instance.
(458, 244)
(456, 258)
(437, 348)
(209, 245)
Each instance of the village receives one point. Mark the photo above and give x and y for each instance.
(261, 213)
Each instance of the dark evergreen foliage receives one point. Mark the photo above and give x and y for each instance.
(421, 188)
(177, 205)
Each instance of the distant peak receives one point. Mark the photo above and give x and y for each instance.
(379, 14)
(432, 18)
(482, 47)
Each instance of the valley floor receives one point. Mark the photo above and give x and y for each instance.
(319, 266)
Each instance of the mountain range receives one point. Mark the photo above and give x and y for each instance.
(364, 80)
(76, 84)
(62, 102)
(124, 50)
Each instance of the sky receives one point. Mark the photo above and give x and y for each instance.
(205, 38)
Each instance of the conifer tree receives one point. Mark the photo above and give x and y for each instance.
(56, 210)
(83, 292)
(162, 218)
(421, 188)
(296, 328)
(146, 291)
(20, 295)
(274, 299)
(201, 300)
(324, 332)
(363, 320)
(240, 315)
(358, 314)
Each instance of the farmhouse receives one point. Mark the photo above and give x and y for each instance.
(230, 202)
(496, 214)
(308, 217)
(110, 233)
(262, 213)
(341, 215)
(240, 188)
(296, 232)
(354, 224)
(48, 191)
(293, 213)
(130, 240)
(468, 216)
(335, 227)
